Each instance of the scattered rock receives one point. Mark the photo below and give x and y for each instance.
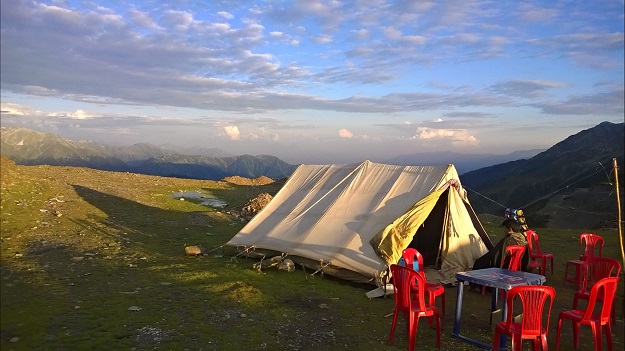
(286, 265)
(193, 251)
(252, 207)
(262, 180)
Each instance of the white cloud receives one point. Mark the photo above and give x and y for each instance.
(344, 133)
(142, 19)
(225, 14)
(361, 33)
(79, 114)
(11, 108)
(232, 132)
(181, 20)
(392, 33)
(323, 39)
(456, 136)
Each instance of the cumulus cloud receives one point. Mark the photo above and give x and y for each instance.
(79, 114)
(344, 133)
(456, 136)
(232, 132)
(225, 14)
(11, 108)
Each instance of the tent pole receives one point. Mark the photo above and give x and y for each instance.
(619, 219)
(618, 206)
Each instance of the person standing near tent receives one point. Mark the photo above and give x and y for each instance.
(493, 257)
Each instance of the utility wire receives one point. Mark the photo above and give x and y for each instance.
(557, 191)
(484, 196)
(548, 195)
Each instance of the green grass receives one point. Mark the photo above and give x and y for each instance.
(72, 268)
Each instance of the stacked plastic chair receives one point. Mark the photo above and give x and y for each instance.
(593, 270)
(412, 304)
(589, 243)
(538, 259)
(412, 255)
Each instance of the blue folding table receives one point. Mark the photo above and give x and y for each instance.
(496, 278)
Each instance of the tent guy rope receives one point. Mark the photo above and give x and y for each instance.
(548, 195)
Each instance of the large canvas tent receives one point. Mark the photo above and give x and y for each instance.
(353, 221)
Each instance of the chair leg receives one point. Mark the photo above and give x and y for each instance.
(558, 333)
(390, 341)
(496, 339)
(575, 335)
(545, 345)
(517, 342)
(596, 334)
(412, 335)
(608, 334)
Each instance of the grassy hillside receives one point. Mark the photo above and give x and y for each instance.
(94, 260)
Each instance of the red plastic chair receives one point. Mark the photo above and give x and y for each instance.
(538, 259)
(593, 270)
(409, 255)
(403, 280)
(588, 245)
(603, 289)
(515, 254)
(534, 299)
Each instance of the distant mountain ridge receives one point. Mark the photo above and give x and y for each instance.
(566, 184)
(29, 147)
(463, 162)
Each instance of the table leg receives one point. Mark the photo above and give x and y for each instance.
(459, 295)
(504, 313)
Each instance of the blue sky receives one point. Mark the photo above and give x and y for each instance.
(314, 81)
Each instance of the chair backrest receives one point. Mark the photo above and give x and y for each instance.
(515, 254)
(532, 242)
(413, 259)
(588, 244)
(534, 299)
(403, 278)
(603, 290)
(596, 268)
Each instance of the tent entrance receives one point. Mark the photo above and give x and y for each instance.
(427, 239)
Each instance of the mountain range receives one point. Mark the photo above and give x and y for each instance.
(568, 184)
(29, 147)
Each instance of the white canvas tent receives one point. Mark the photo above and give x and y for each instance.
(353, 221)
